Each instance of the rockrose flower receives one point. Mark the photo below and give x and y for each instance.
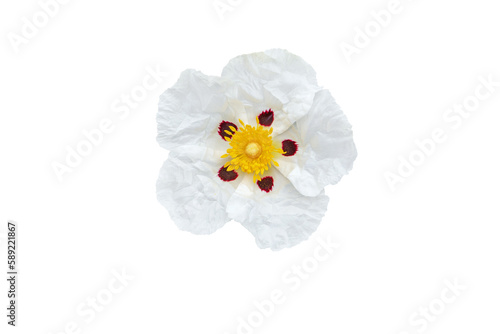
(256, 145)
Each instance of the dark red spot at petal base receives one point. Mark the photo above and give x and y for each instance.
(266, 118)
(266, 184)
(290, 147)
(225, 126)
(227, 176)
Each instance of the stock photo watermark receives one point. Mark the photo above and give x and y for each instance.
(221, 7)
(121, 107)
(363, 36)
(88, 310)
(453, 119)
(12, 272)
(31, 26)
(292, 279)
(420, 320)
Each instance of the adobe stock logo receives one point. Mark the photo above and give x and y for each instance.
(88, 310)
(453, 118)
(31, 26)
(428, 314)
(121, 108)
(363, 37)
(292, 280)
(224, 6)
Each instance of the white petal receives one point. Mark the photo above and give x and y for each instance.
(189, 113)
(273, 79)
(189, 187)
(326, 147)
(278, 219)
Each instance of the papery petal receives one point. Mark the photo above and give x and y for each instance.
(278, 219)
(189, 113)
(275, 79)
(326, 148)
(189, 187)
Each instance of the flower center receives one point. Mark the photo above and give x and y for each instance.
(252, 150)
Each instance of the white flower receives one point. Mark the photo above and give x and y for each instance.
(257, 145)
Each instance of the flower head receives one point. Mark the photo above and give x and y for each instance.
(257, 145)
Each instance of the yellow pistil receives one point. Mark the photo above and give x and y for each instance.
(252, 150)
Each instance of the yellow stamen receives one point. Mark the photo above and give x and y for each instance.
(252, 149)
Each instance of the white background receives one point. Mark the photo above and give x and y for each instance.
(397, 248)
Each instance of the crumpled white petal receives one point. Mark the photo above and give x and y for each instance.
(273, 79)
(278, 219)
(188, 186)
(326, 147)
(190, 112)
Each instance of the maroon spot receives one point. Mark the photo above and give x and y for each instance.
(266, 118)
(290, 147)
(266, 184)
(225, 126)
(227, 176)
